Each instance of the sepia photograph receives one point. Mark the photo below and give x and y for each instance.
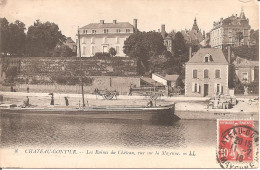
(129, 84)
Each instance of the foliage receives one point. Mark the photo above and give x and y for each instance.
(62, 51)
(112, 51)
(42, 38)
(10, 73)
(13, 36)
(247, 52)
(100, 55)
(253, 88)
(143, 46)
(180, 53)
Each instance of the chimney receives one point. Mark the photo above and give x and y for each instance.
(229, 54)
(114, 21)
(102, 21)
(135, 25)
(163, 31)
(190, 51)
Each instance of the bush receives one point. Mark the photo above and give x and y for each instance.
(102, 55)
(11, 72)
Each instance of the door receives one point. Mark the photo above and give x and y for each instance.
(206, 90)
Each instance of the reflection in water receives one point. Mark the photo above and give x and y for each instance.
(64, 130)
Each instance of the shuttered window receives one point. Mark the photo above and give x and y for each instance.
(217, 74)
(206, 73)
(195, 74)
(195, 88)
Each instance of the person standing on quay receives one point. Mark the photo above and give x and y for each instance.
(52, 98)
(66, 101)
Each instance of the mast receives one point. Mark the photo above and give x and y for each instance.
(82, 90)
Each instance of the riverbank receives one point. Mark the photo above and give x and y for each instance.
(185, 107)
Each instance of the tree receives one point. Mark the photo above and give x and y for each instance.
(179, 53)
(42, 38)
(143, 46)
(4, 34)
(12, 37)
(62, 51)
(112, 51)
(16, 45)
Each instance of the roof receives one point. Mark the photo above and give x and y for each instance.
(172, 77)
(216, 54)
(151, 81)
(242, 62)
(108, 25)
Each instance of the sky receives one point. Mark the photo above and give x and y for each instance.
(151, 14)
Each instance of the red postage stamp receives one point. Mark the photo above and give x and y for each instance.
(236, 141)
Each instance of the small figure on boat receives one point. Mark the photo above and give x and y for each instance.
(52, 99)
(28, 90)
(12, 89)
(66, 101)
(150, 103)
(26, 102)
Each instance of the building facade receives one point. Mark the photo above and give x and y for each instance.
(246, 71)
(71, 44)
(206, 73)
(234, 31)
(100, 37)
(191, 36)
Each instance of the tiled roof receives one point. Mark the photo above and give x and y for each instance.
(242, 62)
(172, 77)
(217, 56)
(108, 25)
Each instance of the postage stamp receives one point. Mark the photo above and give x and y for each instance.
(237, 144)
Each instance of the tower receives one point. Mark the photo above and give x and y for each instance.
(195, 26)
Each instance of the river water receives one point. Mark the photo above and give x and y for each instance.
(24, 130)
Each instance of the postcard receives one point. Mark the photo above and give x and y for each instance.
(129, 84)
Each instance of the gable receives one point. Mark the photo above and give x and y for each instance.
(215, 55)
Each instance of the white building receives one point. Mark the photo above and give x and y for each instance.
(100, 37)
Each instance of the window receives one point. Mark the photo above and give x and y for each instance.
(117, 40)
(127, 30)
(244, 76)
(206, 73)
(195, 73)
(218, 88)
(118, 30)
(92, 40)
(117, 49)
(206, 59)
(93, 50)
(94, 31)
(195, 88)
(84, 31)
(105, 31)
(105, 40)
(217, 74)
(83, 40)
(84, 51)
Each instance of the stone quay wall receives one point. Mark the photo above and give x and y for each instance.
(39, 73)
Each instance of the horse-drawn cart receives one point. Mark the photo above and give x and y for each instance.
(107, 94)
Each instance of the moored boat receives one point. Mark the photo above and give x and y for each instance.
(160, 114)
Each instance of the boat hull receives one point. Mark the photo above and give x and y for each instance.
(163, 114)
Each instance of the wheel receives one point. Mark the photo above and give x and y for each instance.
(108, 95)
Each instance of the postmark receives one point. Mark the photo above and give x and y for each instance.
(237, 144)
